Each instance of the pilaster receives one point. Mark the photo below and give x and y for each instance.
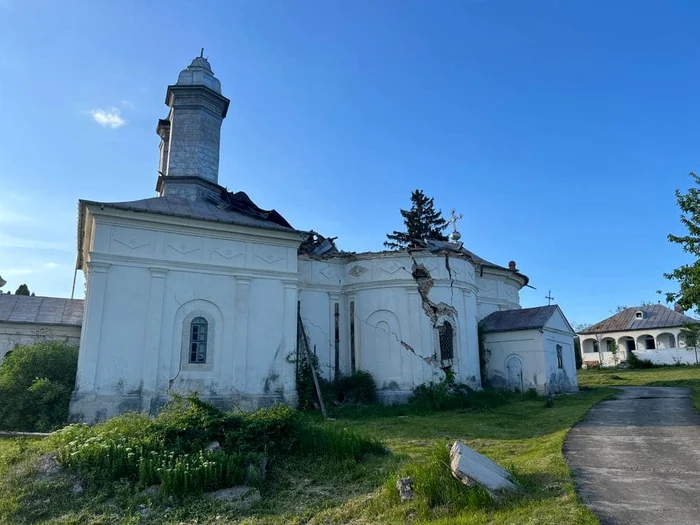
(96, 284)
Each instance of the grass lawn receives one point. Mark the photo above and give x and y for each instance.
(687, 376)
(523, 435)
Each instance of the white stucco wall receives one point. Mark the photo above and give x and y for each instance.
(24, 334)
(148, 278)
(664, 349)
(512, 351)
(534, 353)
(394, 338)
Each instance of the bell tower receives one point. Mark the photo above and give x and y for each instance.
(190, 136)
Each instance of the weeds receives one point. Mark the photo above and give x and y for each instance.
(169, 449)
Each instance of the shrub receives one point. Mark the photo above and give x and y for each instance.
(169, 450)
(358, 387)
(35, 386)
(445, 395)
(634, 362)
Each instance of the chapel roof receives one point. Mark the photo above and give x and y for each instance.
(654, 316)
(229, 208)
(518, 319)
(41, 310)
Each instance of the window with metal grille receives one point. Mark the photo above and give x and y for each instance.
(446, 341)
(198, 340)
(560, 357)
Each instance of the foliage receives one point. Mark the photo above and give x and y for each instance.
(22, 290)
(614, 349)
(691, 334)
(358, 387)
(634, 362)
(422, 221)
(35, 386)
(484, 357)
(688, 275)
(520, 434)
(170, 449)
(307, 398)
(447, 395)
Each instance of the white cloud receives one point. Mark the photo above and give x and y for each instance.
(108, 118)
(52, 265)
(128, 104)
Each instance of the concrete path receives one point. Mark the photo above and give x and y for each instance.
(636, 458)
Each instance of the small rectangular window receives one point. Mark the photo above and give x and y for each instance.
(560, 356)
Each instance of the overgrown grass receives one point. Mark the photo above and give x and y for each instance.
(685, 376)
(340, 487)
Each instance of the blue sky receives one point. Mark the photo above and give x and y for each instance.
(560, 129)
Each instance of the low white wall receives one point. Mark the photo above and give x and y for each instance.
(670, 356)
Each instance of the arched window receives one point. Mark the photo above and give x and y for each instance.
(446, 341)
(650, 343)
(198, 340)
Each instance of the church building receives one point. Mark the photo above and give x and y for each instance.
(198, 289)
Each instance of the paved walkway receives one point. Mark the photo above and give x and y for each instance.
(636, 458)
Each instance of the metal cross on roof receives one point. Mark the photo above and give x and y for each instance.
(549, 297)
(455, 235)
(453, 220)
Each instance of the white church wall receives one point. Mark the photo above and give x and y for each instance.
(559, 379)
(13, 335)
(144, 287)
(497, 290)
(395, 339)
(516, 360)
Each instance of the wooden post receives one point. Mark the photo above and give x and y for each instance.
(309, 358)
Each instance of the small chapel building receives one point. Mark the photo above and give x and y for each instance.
(198, 289)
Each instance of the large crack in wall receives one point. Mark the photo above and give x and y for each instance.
(425, 283)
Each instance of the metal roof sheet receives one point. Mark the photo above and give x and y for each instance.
(520, 319)
(41, 310)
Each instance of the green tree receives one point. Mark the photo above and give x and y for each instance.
(688, 275)
(22, 290)
(35, 386)
(422, 221)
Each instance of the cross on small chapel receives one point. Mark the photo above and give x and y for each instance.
(549, 297)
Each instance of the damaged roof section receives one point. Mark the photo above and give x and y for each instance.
(318, 246)
(216, 205)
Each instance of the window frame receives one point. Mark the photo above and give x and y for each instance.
(198, 340)
(441, 329)
(560, 356)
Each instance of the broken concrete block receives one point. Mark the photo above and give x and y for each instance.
(405, 486)
(470, 467)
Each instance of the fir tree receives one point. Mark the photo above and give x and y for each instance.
(422, 222)
(22, 290)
